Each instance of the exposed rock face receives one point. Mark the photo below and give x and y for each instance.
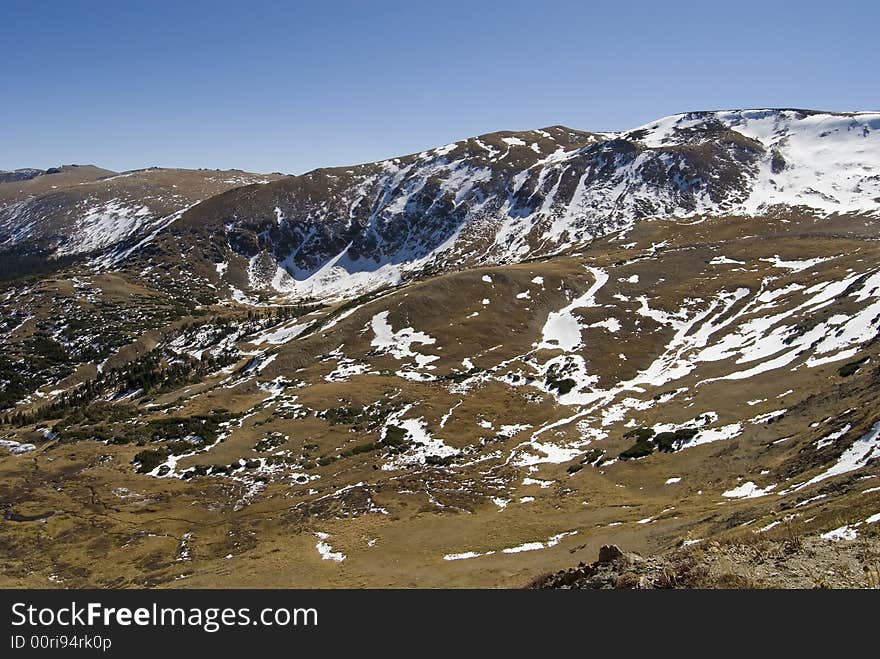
(609, 553)
(94, 212)
(21, 174)
(503, 197)
(795, 562)
(496, 198)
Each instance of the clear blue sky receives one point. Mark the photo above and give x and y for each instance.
(287, 86)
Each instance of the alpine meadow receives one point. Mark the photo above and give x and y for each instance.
(471, 366)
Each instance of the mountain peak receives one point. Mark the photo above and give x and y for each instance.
(503, 196)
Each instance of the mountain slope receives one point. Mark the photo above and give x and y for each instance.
(683, 351)
(89, 211)
(695, 380)
(503, 197)
(14, 186)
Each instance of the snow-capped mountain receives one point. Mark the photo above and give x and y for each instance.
(507, 196)
(23, 174)
(496, 198)
(84, 210)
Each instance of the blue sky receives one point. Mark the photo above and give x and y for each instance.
(284, 86)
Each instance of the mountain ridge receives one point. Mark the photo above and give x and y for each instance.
(543, 191)
(493, 198)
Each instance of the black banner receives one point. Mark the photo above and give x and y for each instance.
(136, 623)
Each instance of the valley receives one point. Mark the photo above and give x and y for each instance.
(462, 368)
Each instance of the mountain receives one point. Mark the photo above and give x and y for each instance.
(86, 210)
(496, 198)
(469, 366)
(20, 174)
(506, 196)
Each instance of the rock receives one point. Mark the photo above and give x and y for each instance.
(632, 558)
(609, 553)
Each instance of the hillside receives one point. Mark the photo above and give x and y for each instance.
(465, 367)
(85, 210)
(504, 197)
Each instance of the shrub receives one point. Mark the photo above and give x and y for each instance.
(394, 436)
(271, 441)
(593, 456)
(150, 459)
(670, 441)
(561, 386)
(343, 415)
(640, 449)
(848, 369)
(641, 434)
(438, 461)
